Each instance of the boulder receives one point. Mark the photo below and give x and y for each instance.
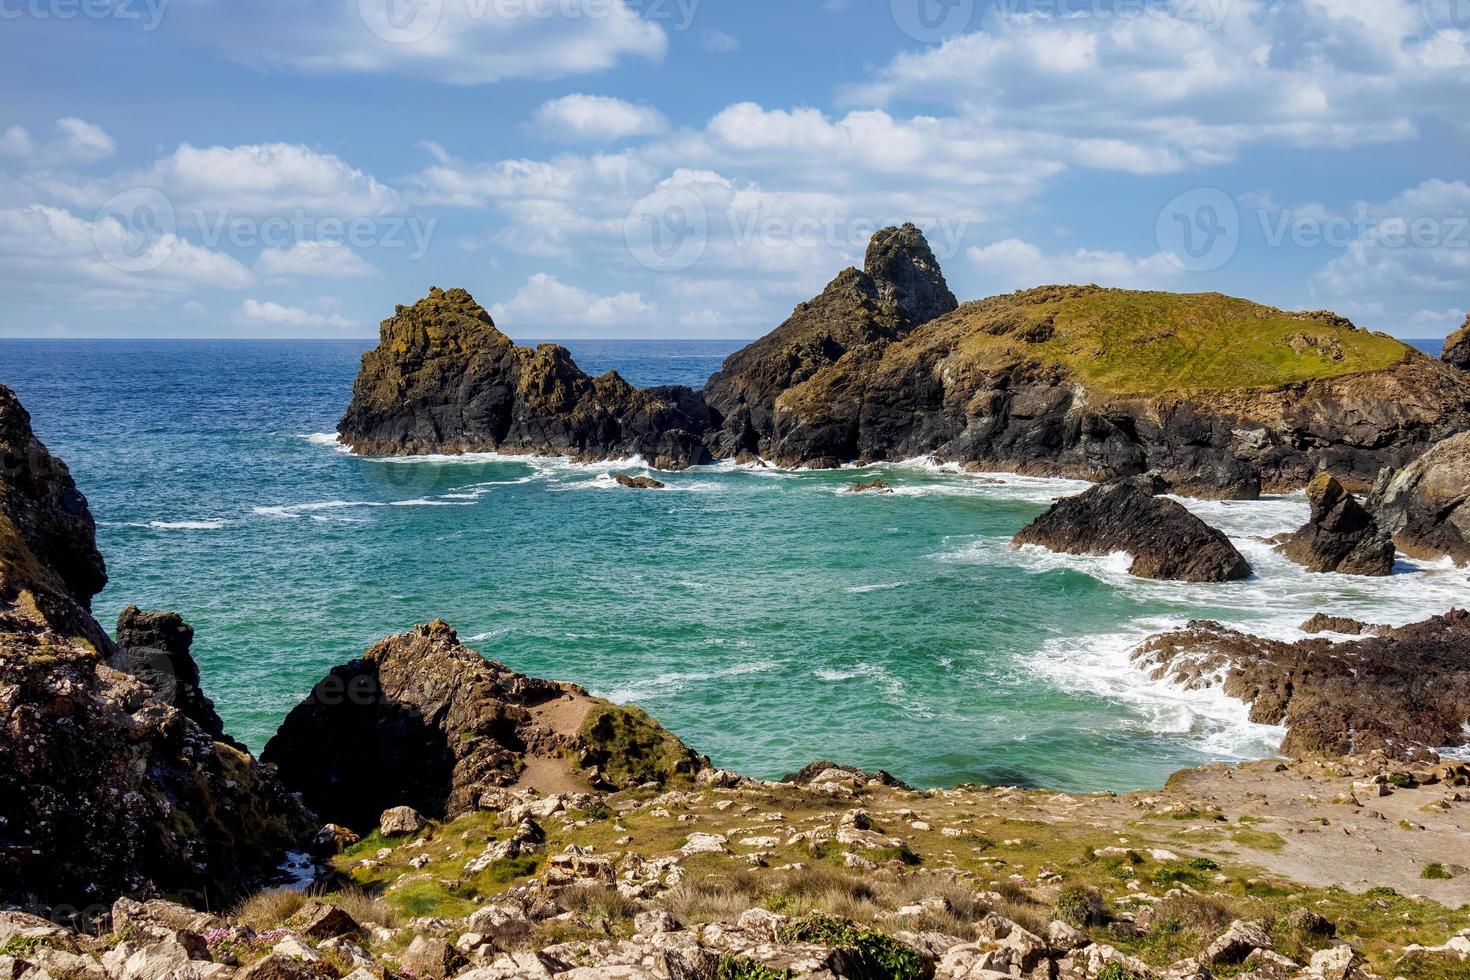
(1239, 941)
(400, 821)
(320, 921)
(1457, 348)
(425, 722)
(1404, 693)
(278, 967)
(1426, 506)
(875, 486)
(1164, 539)
(1341, 536)
(822, 771)
(109, 784)
(1323, 623)
(428, 956)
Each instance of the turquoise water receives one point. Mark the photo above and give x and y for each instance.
(764, 616)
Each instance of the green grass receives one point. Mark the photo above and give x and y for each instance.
(877, 956)
(633, 749)
(1435, 872)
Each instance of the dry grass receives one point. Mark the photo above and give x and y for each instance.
(594, 901)
(267, 910)
(368, 910)
(711, 898)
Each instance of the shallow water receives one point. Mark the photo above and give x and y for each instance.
(765, 616)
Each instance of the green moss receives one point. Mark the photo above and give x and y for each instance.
(1435, 872)
(735, 968)
(506, 870)
(631, 748)
(876, 956)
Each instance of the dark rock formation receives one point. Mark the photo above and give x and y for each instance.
(638, 482)
(1457, 348)
(443, 379)
(154, 647)
(1164, 538)
(423, 721)
(855, 318)
(874, 486)
(1404, 693)
(1341, 536)
(1323, 623)
(106, 788)
(1217, 396)
(1426, 506)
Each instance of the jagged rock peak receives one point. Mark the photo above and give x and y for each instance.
(1457, 348)
(903, 265)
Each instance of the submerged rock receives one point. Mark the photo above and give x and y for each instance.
(1426, 506)
(1404, 693)
(875, 486)
(422, 721)
(1164, 539)
(111, 783)
(1341, 536)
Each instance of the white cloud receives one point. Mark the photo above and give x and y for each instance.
(276, 315)
(1417, 242)
(545, 301)
(76, 142)
(41, 243)
(313, 260)
(1438, 323)
(268, 179)
(718, 42)
(596, 119)
(1015, 264)
(461, 42)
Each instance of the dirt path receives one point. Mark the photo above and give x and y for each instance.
(552, 773)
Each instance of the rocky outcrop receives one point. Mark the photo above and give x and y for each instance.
(853, 321)
(108, 785)
(1324, 623)
(1341, 535)
(423, 721)
(1426, 506)
(1217, 396)
(1403, 693)
(1457, 348)
(638, 482)
(154, 647)
(443, 379)
(1165, 540)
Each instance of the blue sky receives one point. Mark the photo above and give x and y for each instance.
(695, 168)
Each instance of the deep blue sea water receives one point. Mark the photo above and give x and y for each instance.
(764, 616)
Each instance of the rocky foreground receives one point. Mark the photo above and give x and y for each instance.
(1221, 397)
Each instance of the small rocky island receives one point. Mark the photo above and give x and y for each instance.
(1221, 397)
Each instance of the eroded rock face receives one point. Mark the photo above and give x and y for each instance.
(423, 721)
(1426, 506)
(1405, 692)
(106, 788)
(154, 647)
(443, 379)
(1341, 535)
(1457, 348)
(1164, 538)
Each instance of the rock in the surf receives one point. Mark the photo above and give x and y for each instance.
(1404, 693)
(1341, 535)
(1457, 348)
(1164, 539)
(108, 786)
(872, 486)
(1426, 506)
(638, 482)
(1325, 623)
(423, 721)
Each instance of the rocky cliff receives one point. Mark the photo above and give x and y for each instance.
(1426, 505)
(423, 721)
(108, 783)
(1457, 348)
(1221, 396)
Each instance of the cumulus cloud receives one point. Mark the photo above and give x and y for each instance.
(75, 142)
(267, 178)
(276, 315)
(545, 301)
(1416, 242)
(49, 244)
(461, 42)
(313, 260)
(595, 119)
(1015, 264)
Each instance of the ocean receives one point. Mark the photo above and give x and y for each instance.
(767, 618)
